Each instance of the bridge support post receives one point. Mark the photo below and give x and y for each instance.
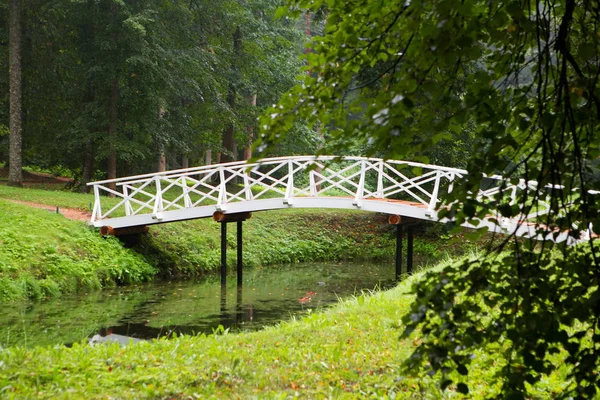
(223, 253)
(223, 219)
(399, 234)
(238, 306)
(400, 221)
(239, 253)
(409, 250)
(223, 306)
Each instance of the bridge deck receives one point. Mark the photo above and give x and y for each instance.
(387, 186)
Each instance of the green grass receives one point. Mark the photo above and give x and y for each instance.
(53, 198)
(281, 237)
(349, 351)
(43, 254)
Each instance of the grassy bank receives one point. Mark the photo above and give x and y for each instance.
(349, 351)
(43, 254)
(278, 237)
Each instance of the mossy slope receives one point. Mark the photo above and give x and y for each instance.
(44, 254)
(274, 237)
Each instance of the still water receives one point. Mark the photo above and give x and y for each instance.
(268, 295)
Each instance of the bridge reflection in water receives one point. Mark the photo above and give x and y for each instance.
(134, 332)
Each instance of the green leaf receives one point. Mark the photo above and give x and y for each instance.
(281, 12)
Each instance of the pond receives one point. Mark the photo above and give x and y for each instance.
(268, 296)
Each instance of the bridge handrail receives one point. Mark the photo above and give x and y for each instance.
(263, 161)
(193, 187)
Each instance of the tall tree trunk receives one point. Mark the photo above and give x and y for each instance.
(308, 23)
(111, 169)
(162, 158)
(228, 139)
(248, 149)
(185, 162)
(208, 158)
(15, 172)
(88, 167)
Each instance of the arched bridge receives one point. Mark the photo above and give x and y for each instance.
(394, 187)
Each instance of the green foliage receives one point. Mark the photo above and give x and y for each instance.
(167, 67)
(517, 82)
(529, 306)
(43, 254)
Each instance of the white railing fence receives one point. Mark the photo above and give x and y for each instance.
(289, 178)
(283, 177)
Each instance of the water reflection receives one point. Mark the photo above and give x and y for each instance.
(154, 310)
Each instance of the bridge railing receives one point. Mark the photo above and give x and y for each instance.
(281, 177)
(289, 178)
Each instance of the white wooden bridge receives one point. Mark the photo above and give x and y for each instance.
(393, 187)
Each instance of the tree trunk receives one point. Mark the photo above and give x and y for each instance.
(248, 149)
(228, 139)
(308, 23)
(185, 163)
(208, 160)
(162, 158)
(88, 167)
(15, 172)
(111, 170)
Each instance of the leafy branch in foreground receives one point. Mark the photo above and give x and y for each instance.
(401, 76)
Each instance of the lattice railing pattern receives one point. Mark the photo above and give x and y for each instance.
(289, 178)
(283, 177)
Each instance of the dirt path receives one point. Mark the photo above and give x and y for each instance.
(70, 213)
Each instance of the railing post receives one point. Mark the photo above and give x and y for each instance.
(380, 180)
(97, 211)
(513, 195)
(434, 194)
(158, 204)
(289, 190)
(360, 190)
(247, 185)
(187, 202)
(313, 185)
(128, 208)
(222, 191)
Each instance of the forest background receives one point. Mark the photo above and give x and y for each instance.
(114, 88)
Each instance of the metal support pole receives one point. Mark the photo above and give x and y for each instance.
(223, 253)
(239, 311)
(399, 234)
(409, 251)
(223, 308)
(239, 253)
